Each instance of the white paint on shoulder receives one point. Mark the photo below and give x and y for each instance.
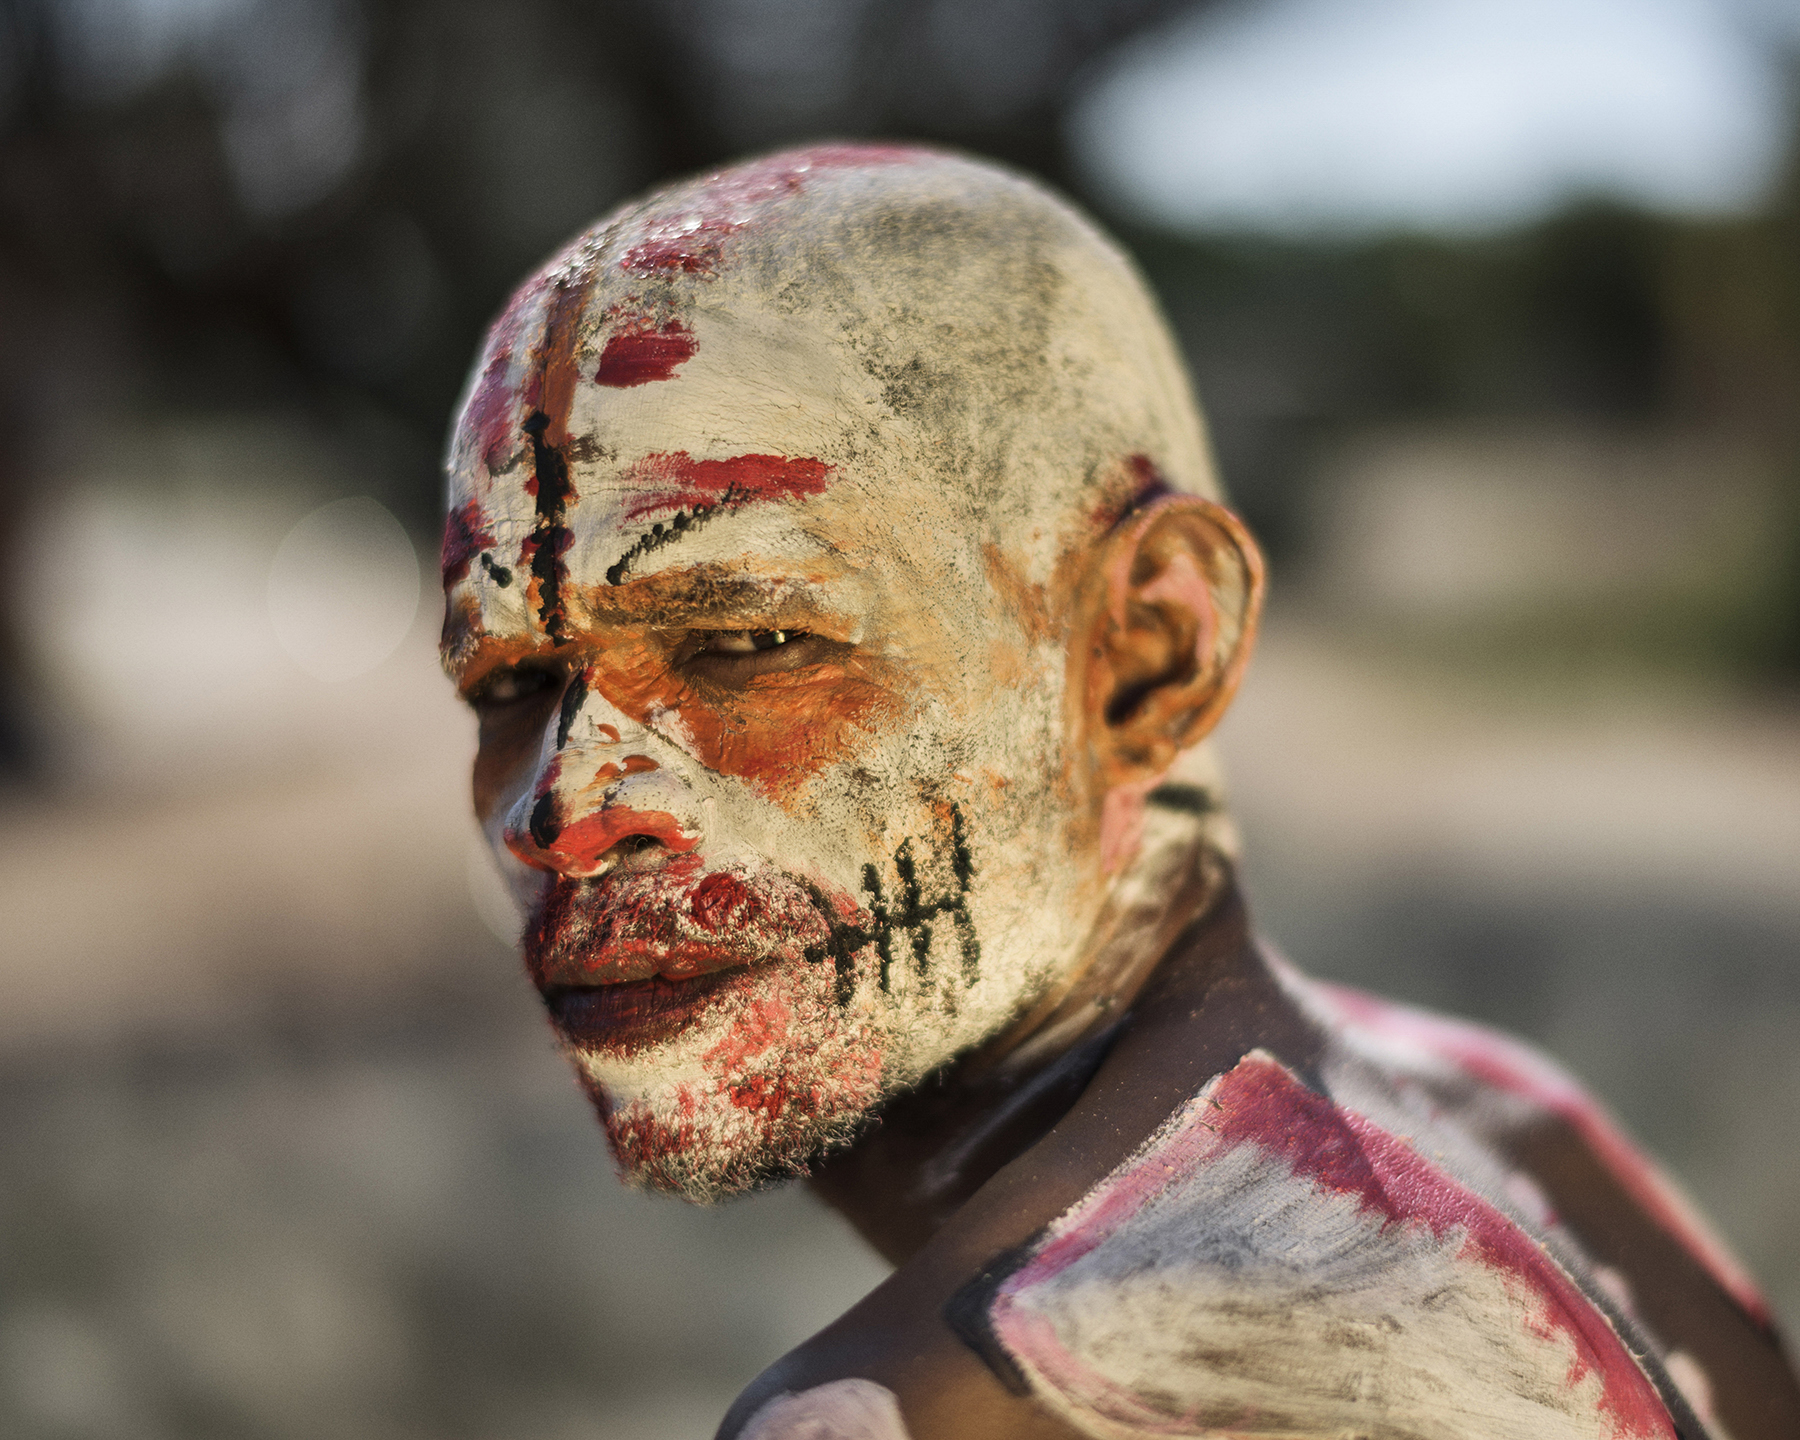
(853, 1409)
(1272, 1264)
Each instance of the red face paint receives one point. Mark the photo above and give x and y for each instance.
(637, 357)
(674, 480)
(692, 241)
(674, 921)
(492, 415)
(466, 535)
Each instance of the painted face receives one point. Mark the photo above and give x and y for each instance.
(770, 503)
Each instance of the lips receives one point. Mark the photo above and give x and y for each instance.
(675, 920)
(634, 1015)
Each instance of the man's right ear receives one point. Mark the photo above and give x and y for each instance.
(1169, 636)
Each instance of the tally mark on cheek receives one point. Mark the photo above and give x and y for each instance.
(913, 915)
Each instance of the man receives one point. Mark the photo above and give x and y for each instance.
(836, 567)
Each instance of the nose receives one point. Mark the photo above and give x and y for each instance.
(595, 797)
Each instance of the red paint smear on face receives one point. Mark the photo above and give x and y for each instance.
(692, 250)
(637, 357)
(691, 240)
(553, 376)
(671, 920)
(760, 1024)
(796, 1084)
(722, 902)
(1518, 1070)
(579, 845)
(492, 413)
(466, 535)
(674, 480)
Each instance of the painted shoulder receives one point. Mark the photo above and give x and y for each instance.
(1478, 1069)
(1276, 1262)
(852, 1409)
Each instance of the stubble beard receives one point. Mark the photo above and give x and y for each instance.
(778, 1073)
(842, 1006)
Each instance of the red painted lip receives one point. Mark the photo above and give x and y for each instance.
(674, 922)
(626, 1018)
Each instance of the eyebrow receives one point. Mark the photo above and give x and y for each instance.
(697, 592)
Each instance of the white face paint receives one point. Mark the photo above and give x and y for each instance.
(769, 504)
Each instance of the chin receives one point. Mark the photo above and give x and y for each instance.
(706, 1157)
(775, 1072)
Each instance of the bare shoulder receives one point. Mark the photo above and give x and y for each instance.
(1622, 1224)
(1357, 1219)
(888, 1370)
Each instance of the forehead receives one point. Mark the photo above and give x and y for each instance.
(648, 409)
(912, 353)
(622, 425)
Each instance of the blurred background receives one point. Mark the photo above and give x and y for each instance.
(1495, 309)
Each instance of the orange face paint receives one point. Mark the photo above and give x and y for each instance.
(769, 511)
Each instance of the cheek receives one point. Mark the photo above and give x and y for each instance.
(783, 731)
(780, 730)
(505, 758)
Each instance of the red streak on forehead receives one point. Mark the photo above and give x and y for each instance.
(492, 411)
(552, 385)
(674, 480)
(693, 250)
(466, 535)
(691, 238)
(640, 356)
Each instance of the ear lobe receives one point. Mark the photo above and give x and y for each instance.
(1184, 585)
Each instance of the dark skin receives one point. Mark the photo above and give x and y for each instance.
(1211, 1000)
(963, 1171)
(977, 1162)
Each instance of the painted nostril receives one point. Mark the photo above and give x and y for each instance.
(592, 844)
(546, 824)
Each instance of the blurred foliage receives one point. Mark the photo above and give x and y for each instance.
(1603, 313)
(322, 202)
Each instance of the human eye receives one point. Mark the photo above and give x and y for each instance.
(747, 642)
(729, 658)
(514, 685)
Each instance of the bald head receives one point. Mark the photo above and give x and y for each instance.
(831, 562)
(861, 309)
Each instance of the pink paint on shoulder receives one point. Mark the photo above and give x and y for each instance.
(640, 355)
(1343, 1151)
(1259, 1104)
(1517, 1069)
(674, 480)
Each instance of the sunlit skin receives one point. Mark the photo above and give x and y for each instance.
(836, 567)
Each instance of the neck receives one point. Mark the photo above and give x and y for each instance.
(935, 1146)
